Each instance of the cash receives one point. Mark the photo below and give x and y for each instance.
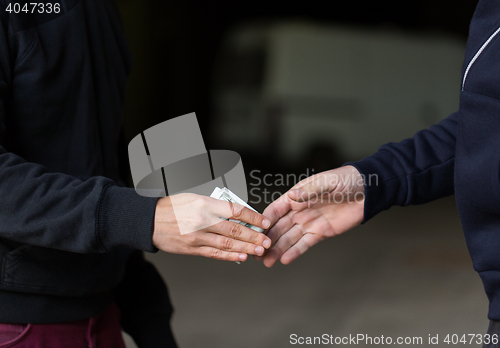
(225, 194)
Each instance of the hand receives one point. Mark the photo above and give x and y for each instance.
(321, 206)
(212, 237)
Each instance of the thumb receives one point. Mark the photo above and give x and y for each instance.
(311, 190)
(299, 196)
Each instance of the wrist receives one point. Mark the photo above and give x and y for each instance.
(163, 221)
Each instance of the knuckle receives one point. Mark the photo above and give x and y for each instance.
(227, 243)
(200, 220)
(200, 203)
(256, 238)
(236, 230)
(216, 254)
(256, 219)
(191, 239)
(236, 210)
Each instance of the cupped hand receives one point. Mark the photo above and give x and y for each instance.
(209, 235)
(319, 207)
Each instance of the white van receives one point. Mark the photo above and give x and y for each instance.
(288, 88)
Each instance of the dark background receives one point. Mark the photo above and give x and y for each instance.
(174, 43)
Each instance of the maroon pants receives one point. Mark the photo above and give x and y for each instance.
(101, 331)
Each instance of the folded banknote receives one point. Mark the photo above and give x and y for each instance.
(226, 195)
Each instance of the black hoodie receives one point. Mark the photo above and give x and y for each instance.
(460, 155)
(67, 227)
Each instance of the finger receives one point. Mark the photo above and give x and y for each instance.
(230, 210)
(217, 254)
(320, 185)
(261, 257)
(282, 226)
(304, 244)
(299, 196)
(277, 209)
(228, 244)
(286, 241)
(237, 231)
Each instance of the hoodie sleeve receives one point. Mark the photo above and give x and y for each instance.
(415, 171)
(59, 211)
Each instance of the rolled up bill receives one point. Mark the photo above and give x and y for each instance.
(225, 194)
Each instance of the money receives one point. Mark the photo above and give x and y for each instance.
(225, 194)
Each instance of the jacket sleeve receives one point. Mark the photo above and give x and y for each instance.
(143, 299)
(415, 171)
(59, 211)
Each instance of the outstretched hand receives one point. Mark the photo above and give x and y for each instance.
(319, 207)
(208, 235)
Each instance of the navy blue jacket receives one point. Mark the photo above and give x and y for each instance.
(67, 227)
(459, 155)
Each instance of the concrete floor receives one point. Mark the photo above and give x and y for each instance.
(405, 273)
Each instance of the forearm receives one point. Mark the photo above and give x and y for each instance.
(59, 211)
(414, 171)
